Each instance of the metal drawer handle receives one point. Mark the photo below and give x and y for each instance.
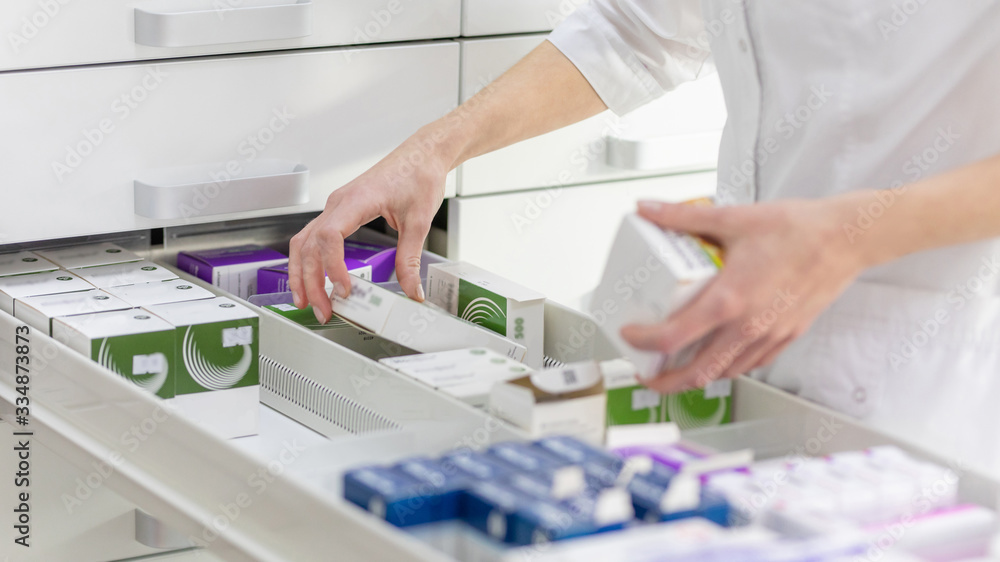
(188, 23)
(191, 192)
(691, 151)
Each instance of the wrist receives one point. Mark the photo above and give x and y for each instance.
(870, 225)
(445, 142)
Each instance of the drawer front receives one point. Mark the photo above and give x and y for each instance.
(556, 240)
(677, 133)
(496, 17)
(46, 33)
(207, 139)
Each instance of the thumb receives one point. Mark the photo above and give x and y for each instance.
(408, 252)
(713, 222)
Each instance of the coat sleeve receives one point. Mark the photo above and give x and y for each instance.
(633, 51)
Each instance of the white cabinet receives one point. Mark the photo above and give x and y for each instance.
(497, 17)
(47, 33)
(678, 133)
(556, 240)
(81, 138)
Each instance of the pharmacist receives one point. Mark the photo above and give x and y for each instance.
(860, 169)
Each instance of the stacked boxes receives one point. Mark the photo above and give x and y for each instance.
(89, 255)
(478, 296)
(216, 361)
(19, 263)
(145, 294)
(231, 269)
(33, 284)
(39, 311)
(120, 274)
(466, 374)
(132, 343)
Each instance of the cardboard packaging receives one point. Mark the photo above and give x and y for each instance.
(416, 325)
(20, 263)
(629, 402)
(650, 273)
(481, 297)
(342, 332)
(567, 400)
(38, 311)
(33, 284)
(232, 269)
(218, 380)
(274, 279)
(89, 255)
(467, 374)
(381, 259)
(132, 343)
(131, 273)
(160, 292)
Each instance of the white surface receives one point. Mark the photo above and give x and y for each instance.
(335, 111)
(495, 17)
(163, 24)
(556, 240)
(67, 33)
(578, 153)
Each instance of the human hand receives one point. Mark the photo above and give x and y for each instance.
(785, 262)
(406, 188)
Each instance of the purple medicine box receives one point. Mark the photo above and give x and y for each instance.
(233, 269)
(367, 261)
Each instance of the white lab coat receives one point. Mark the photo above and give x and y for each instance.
(827, 96)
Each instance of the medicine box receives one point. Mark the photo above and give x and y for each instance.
(32, 284)
(232, 269)
(38, 311)
(89, 255)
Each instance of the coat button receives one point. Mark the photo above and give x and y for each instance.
(860, 395)
(743, 45)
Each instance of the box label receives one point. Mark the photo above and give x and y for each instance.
(142, 359)
(208, 363)
(483, 307)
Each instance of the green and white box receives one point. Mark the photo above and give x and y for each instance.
(20, 263)
(416, 325)
(131, 273)
(218, 380)
(467, 374)
(342, 332)
(38, 311)
(132, 343)
(32, 284)
(89, 255)
(160, 292)
(631, 403)
(498, 304)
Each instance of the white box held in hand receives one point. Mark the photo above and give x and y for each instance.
(495, 303)
(39, 311)
(650, 274)
(568, 400)
(48, 283)
(131, 273)
(416, 325)
(89, 255)
(19, 263)
(467, 374)
(218, 380)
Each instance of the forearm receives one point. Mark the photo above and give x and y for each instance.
(541, 93)
(955, 207)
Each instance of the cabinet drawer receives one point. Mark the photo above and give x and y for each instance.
(556, 240)
(207, 137)
(497, 17)
(677, 133)
(46, 33)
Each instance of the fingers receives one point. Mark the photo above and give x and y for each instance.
(716, 222)
(715, 305)
(295, 284)
(408, 251)
(772, 353)
(708, 364)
